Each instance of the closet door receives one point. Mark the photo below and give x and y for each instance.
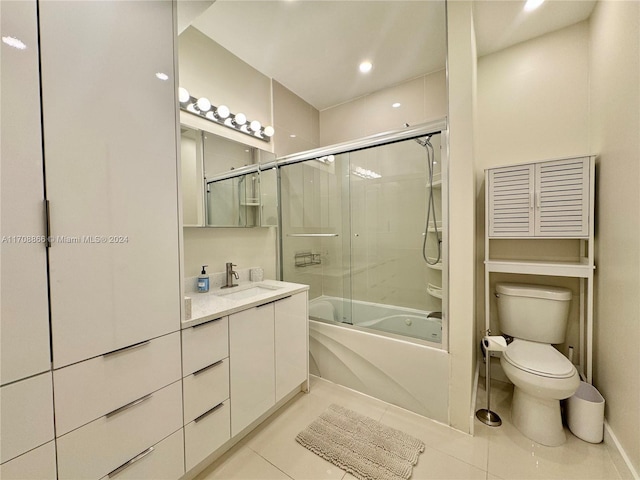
(562, 198)
(111, 173)
(24, 315)
(511, 212)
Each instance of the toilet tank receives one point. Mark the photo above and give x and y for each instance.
(533, 312)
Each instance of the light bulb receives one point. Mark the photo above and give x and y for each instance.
(365, 67)
(269, 131)
(532, 5)
(240, 119)
(255, 125)
(203, 104)
(210, 116)
(183, 95)
(222, 111)
(331, 158)
(228, 122)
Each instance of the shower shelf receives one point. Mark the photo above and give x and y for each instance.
(436, 183)
(306, 259)
(434, 290)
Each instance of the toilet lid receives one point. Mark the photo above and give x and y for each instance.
(538, 358)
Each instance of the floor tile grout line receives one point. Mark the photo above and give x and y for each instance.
(271, 463)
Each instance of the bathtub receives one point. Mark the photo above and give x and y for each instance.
(389, 353)
(404, 322)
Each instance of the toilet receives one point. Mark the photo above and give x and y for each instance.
(536, 317)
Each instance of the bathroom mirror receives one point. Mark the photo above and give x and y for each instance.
(222, 182)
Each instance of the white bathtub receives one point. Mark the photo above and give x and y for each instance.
(413, 374)
(406, 322)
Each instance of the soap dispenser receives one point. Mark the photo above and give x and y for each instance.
(203, 280)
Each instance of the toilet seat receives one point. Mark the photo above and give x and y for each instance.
(539, 359)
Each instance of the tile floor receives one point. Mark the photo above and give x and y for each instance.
(271, 452)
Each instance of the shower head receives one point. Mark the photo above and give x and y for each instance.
(423, 142)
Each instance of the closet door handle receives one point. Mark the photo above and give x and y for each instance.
(128, 406)
(127, 464)
(130, 347)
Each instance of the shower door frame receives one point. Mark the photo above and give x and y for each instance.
(435, 127)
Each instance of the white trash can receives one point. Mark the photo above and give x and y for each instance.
(585, 413)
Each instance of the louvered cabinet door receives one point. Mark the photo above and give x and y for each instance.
(511, 201)
(562, 198)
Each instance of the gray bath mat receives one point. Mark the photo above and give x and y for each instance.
(361, 446)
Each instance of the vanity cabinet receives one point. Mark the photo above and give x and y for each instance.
(268, 349)
(291, 343)
(252, 351)
(205, 363)
(545, 199)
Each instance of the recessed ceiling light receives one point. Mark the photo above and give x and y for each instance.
(162, 76)
(365, 67)
(396, 105)
(293, 135)
(14, 42)
(532, 5)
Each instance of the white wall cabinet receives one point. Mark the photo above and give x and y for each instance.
(545, 199)
(542, 201)
(24, 315)
(110, 142)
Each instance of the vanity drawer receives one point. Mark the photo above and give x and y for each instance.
(26, 415)
(90, 389)
(205, 389)
(39, 463)
(206, 434)
(94, 450)
(163, 461)
(204, 344)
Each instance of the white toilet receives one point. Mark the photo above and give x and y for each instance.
(536, 317)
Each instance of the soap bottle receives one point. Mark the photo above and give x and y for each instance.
(203, 280)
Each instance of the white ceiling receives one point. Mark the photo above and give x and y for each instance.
(314, 47)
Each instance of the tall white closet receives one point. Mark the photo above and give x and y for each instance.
(112, 295)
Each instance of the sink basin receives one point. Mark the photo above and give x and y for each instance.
(249, 292)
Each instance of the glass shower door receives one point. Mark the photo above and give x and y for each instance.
(316, 234)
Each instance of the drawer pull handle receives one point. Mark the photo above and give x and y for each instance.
(128, 405)
(140, 456)
(207, 322)
(130, 347)
(273, 301)
(209, 412)
(198, 372)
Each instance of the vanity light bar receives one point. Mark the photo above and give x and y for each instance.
(223, 116)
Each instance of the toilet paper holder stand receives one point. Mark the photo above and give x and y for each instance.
(490, 344)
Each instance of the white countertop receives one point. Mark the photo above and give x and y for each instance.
(214, 304)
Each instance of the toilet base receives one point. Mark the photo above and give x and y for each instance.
(537, 418)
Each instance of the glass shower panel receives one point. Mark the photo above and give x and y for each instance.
(390, 191)
(315, 231)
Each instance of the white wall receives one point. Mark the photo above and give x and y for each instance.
(246, 247)
(615, 137)
(462, 106)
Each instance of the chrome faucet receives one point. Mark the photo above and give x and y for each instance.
(230, 274)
